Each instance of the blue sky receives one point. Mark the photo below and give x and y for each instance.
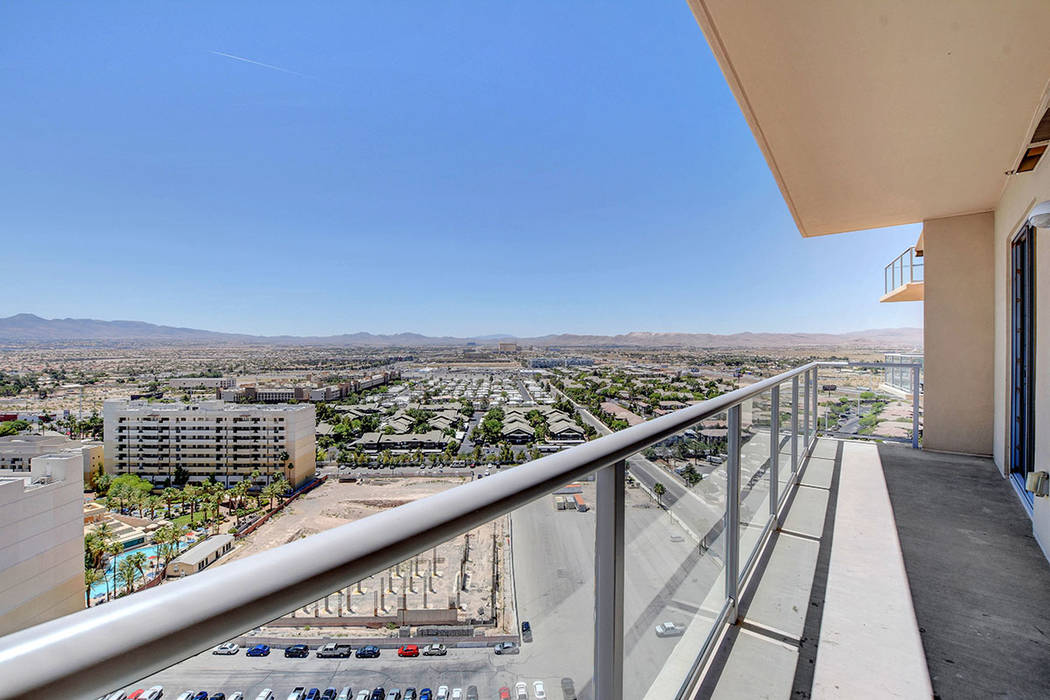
(470, 168)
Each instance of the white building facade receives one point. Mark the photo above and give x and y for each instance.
(171, 442)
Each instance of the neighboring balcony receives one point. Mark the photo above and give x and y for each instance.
(903, 278)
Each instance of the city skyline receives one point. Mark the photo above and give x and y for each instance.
(316, 170)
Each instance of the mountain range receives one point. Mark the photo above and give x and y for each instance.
(29, 329)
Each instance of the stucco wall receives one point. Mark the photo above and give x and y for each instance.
(1023, 192)
(959, 313)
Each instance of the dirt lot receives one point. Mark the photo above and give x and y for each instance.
(454, 575)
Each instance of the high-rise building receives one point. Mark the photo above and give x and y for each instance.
(168, 443)
(42, 547)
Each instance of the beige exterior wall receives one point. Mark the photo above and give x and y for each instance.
(959, 319)
(1024, 192)
(41, 543)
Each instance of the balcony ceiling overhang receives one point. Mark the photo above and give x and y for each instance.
(875, 114)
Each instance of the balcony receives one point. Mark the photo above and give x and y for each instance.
(903, 279)
(795, 554)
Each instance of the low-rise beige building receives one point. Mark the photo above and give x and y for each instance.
(199, 557)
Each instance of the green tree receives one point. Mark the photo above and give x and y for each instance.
(659, 489)
(91, 577)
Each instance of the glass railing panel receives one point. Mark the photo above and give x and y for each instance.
(471, 595)
(675, 554)
(755, 435)
(789, 440)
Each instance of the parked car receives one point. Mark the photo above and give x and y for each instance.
(258, 650)
(154, 693)
(237, 696)
(568, 689)
(329, 694)
(186, 695)
(378, 693)
(265, 694)
(345, 694)
(227, 649)
(506, 648)
(435, 650)
(297, 693)
(442, 692)
(117, 695)
(425, 694)
(504, 693)
(538, 691)
(334, 651)
(136, 694)
(526, 631)
(521, 691)
(297, 651)
(393, 694)
(410, 694)
(457, 694)
(312, 694)
(217, 696)
(368, 652)
(472, 692)
(201, 695)
(364, 695)
(669, 629)
(408, 650)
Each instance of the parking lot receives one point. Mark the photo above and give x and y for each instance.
(250, 675)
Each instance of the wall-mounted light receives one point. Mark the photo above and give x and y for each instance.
(1040, 215)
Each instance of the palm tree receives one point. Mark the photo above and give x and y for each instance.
(114, 548)
(192, 494)
(659, 489)
(139, 561)
(125, 569)
(91, 577)
(171, 495)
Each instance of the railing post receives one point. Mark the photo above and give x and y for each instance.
(805, 413)
(915, 406)
(774, 449)
(732, 528)
(608, 582)
(816, 409)
(794, 424)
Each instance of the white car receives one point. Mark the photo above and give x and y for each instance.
(236, 696)
(434, 650)
(521, 691)
(227, 649)
(266, 694)
(539, 691)
(345, 694)
(669, 629)
(364, 695)
(154, 693)
(457, 694)
(442, 693)
(188, 695)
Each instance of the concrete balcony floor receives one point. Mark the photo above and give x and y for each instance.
(896, 573)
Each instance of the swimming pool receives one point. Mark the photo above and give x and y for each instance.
(106, 584)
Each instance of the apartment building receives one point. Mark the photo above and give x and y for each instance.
(202, 382)
(42, 545)
(164, 442)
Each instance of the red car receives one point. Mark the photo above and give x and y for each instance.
(504, 693)
(408, 650)
(137, 694)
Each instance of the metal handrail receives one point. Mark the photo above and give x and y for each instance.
(904, 269)
(96, 650)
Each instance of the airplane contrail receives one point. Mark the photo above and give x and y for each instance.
(259, 63)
